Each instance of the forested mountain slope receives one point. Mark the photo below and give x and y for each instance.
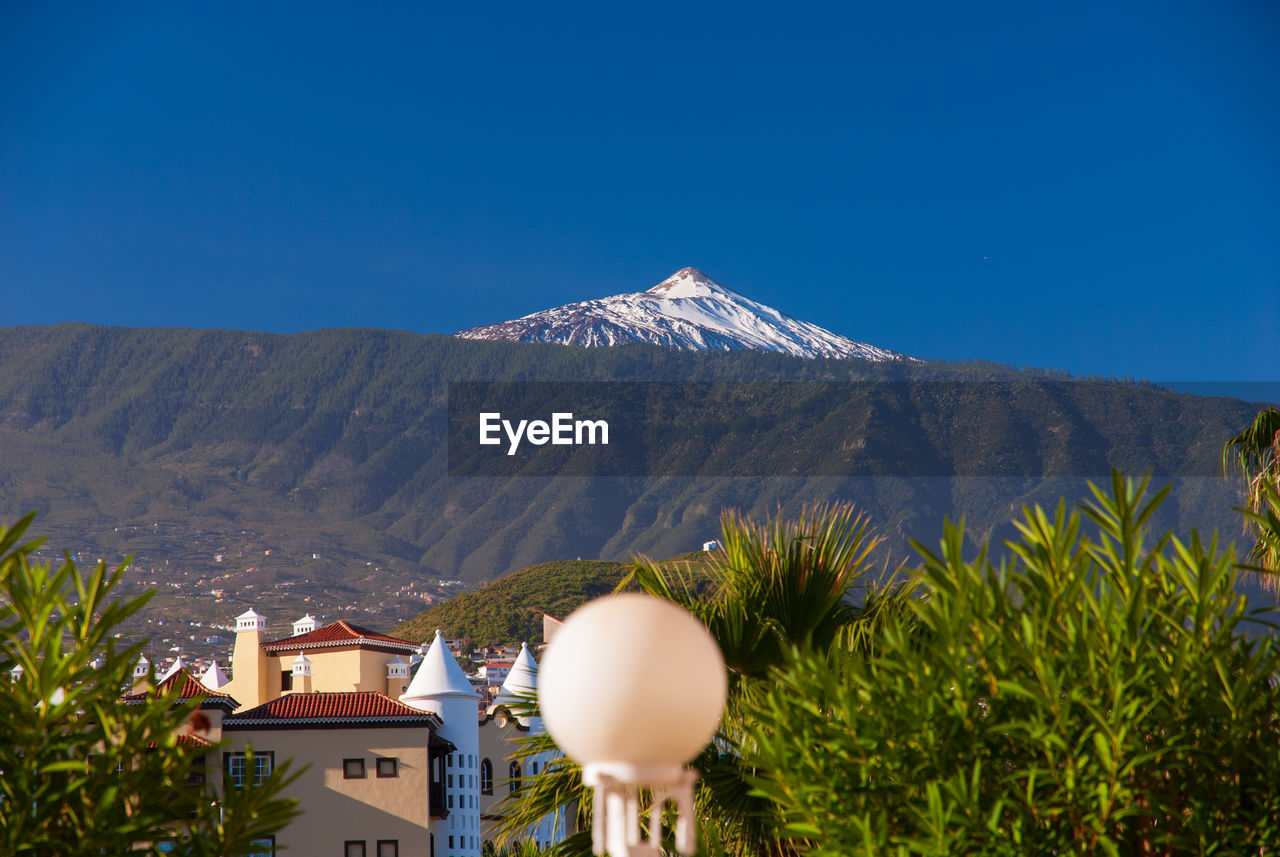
(336, 440)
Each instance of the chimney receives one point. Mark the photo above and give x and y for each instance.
(302, 674)
(397, 677)
(249, 661)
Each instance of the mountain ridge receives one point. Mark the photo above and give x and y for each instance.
(341, 434)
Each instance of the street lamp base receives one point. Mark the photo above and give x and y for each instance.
(616, 816)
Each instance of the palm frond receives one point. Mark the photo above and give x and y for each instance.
(1254, 454)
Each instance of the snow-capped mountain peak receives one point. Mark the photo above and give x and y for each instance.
(688, 310)
(690, 283)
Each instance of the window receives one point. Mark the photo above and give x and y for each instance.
(263, 763)
(388, 768)
(388, 848)
(514, 774)
(286, 679)
(353, 848)
(450, 783)
(264, 847)
(353, 769)
(450, 841)
(450, 801)
(449, 759)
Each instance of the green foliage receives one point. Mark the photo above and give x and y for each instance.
(777, 585)
(1264, 521)
(80, 771)
(1254, 454)
(1096, 693)
(517, 849)
(783, 583)
(557, 786)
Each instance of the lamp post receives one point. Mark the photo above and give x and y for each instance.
(632, 688)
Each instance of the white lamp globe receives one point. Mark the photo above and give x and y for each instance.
(632, 686)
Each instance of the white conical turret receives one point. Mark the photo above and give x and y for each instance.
(440, 686)
(305, 625)
(214, 678)
(438, 678)
(141, 667)
(520, 684)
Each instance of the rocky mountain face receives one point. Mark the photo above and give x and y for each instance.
(688, 310)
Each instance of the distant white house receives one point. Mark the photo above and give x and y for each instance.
(713, 545)
(495, 672)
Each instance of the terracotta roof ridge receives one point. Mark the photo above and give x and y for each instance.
(331, 706)
(338, 633)
(189, 688)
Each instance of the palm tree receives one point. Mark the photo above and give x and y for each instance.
(1255, 454)
(784, 584)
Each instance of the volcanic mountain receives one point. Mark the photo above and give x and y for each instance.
(688, 310)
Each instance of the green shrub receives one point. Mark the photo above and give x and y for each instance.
(81, 773)
(1097, 693)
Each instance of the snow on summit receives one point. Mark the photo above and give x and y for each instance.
(687, 310)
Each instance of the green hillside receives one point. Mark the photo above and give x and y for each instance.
(505, 611)
(509, 610)
(315, 465)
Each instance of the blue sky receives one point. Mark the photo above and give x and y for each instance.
(1088, 186)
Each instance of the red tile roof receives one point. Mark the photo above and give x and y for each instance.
(187, 687)
(341, 633)
(330, 709)
(186, 739)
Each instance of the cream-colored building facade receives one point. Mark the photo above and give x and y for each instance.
(327, 698)
(399, 762)
(336, 657)
(373, 767)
